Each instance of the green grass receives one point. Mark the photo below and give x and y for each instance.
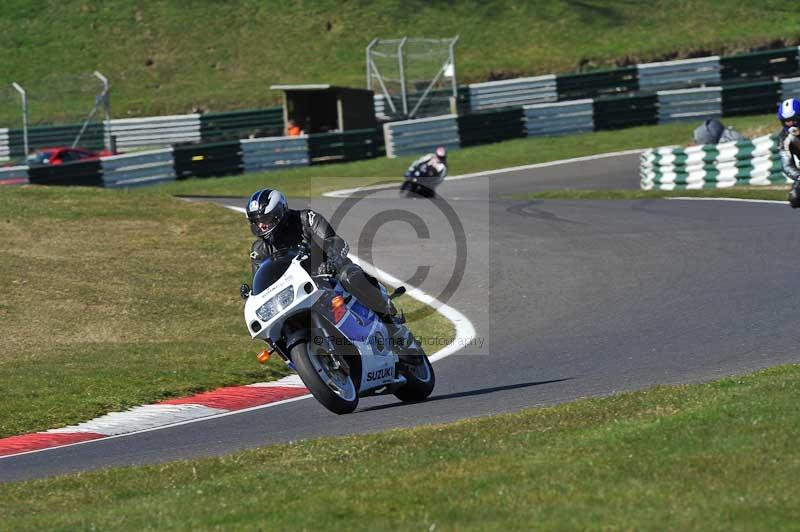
(171, 57)
(312, 181)
(113, 299)
(716, 456)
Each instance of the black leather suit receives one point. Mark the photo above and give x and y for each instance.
(788, 149)
(327, 250)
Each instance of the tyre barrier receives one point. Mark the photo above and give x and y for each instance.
(745, 162)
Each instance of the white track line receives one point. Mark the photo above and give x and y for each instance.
(349, 191)
(741, 200)
(465, 331)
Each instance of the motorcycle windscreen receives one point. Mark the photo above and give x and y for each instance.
(270, 271)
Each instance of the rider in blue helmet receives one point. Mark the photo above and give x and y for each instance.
(789, 145)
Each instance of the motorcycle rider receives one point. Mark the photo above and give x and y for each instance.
(278, 228)
(431, 164)
(789, 145)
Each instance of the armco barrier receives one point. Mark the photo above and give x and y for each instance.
(14, 175)
(208, 160)
(512, 92)
(689, 104)
(491, 126)
(281, 152)
(766, 65)
(731, 72)
(596, 83)
(383, 111)
(436, 103)
(411, 137)
(230, 125)
(751, 162)
(51, 136)
(155, 130)
(702, 71)
(790, 88)
(561, 118)
(750, 98)
(78, 173)
(615, 112)
(344, 146)
(138, 169)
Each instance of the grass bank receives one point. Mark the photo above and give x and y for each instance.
(113, 299)
(716, 456)
(312, 181)
(171, 57)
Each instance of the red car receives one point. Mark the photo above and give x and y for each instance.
(64, 155)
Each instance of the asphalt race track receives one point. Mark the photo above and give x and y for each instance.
(569, 298)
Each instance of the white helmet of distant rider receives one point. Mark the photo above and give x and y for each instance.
(441, 154)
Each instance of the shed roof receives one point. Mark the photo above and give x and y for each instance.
(308, 87)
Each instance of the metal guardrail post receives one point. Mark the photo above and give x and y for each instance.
(372, 43)
(386, 96)
(402, 75)
(453, 64)
(102, 99)
(427, 91)
(24, 96)
(112, 145)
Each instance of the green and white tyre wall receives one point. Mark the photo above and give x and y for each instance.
(749, 162)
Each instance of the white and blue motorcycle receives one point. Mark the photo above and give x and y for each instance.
(339, 347)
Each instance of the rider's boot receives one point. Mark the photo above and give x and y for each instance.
(794, 196)
(402, 339)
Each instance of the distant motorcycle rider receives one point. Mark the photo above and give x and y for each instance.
(431, 168)
(789, 145)
(432, 164)
(279, 228)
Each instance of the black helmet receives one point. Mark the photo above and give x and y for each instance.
(266, 206)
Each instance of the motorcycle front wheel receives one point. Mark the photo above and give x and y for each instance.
(420, 380)
(327, 377)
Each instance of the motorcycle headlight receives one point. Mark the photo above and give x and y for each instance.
(274, 305)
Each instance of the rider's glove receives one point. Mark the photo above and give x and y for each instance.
(244, 291)
(328, 267)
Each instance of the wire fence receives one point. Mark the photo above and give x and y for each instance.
(415, 75)
(54, 99)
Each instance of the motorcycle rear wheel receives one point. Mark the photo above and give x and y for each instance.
(333, 387)
(425, 192)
